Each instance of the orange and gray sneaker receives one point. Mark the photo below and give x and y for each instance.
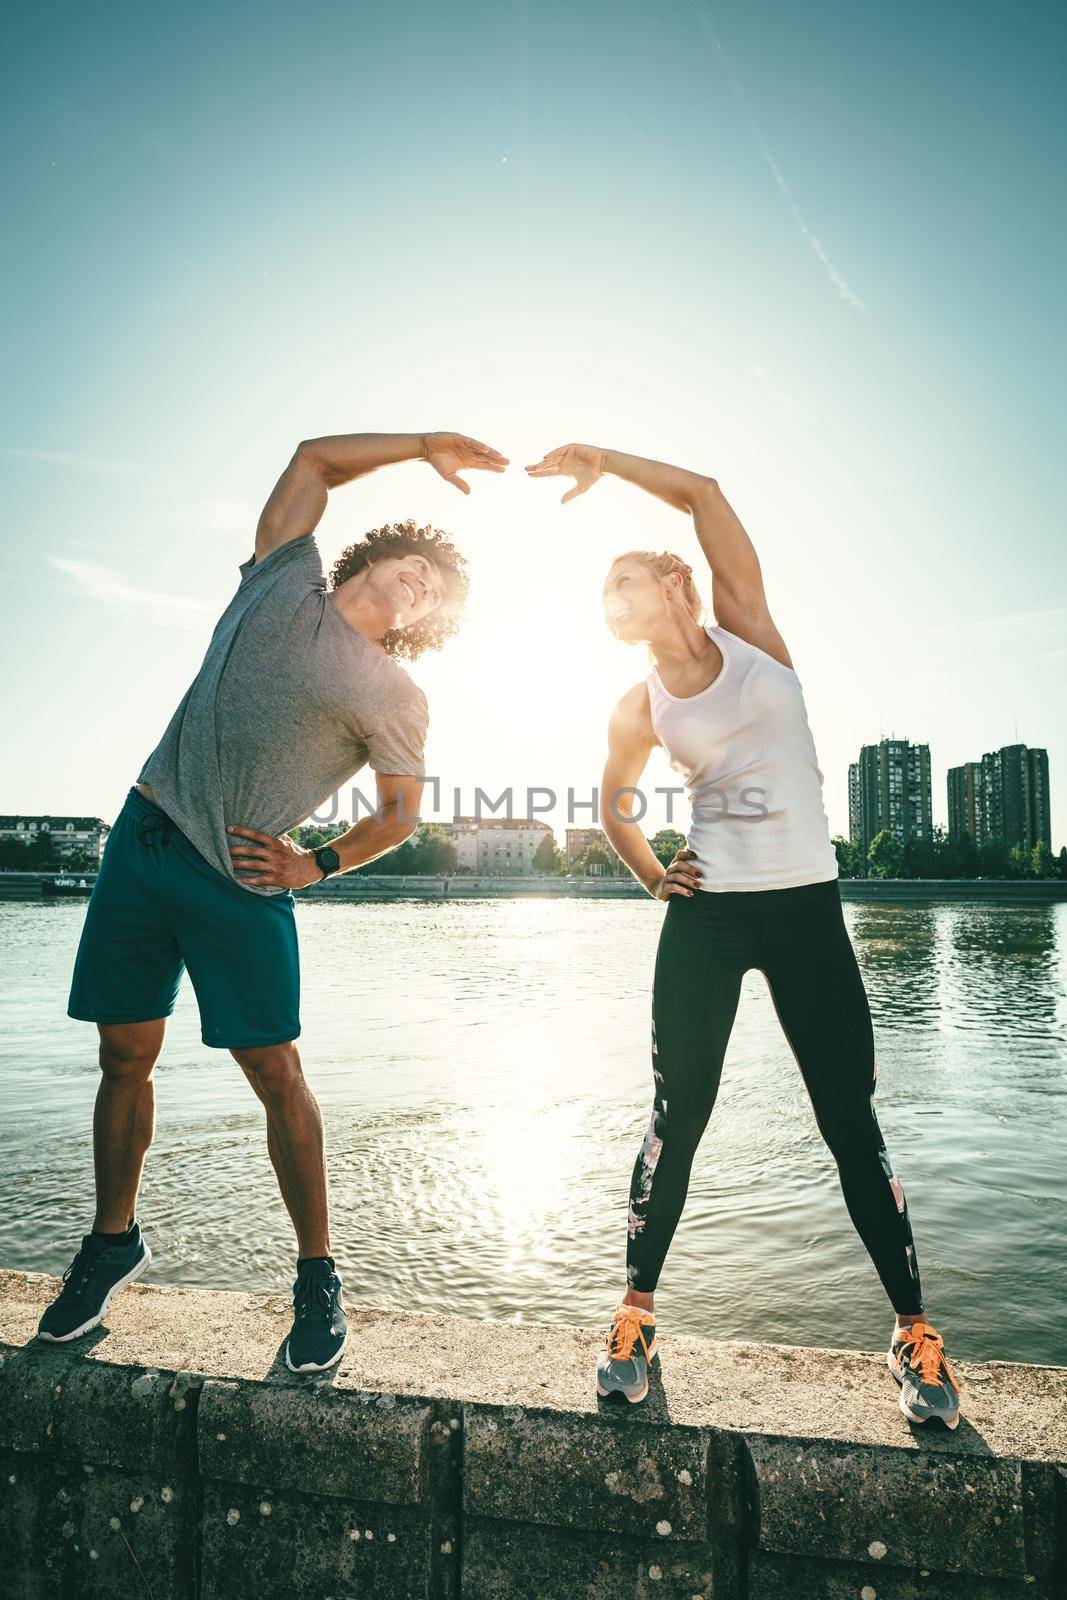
(928, 1385)
(622, 1369)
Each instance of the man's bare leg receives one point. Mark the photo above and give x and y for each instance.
(294, 1140)
(124, 1118)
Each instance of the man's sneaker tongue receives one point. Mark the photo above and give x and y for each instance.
(320, 1327)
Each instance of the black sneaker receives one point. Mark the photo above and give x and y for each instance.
(320, 1328)
(100, 1269)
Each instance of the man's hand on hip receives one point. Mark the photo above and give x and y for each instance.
(264, 861)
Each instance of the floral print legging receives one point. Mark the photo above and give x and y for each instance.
(798, 939)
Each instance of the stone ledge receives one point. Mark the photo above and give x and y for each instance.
(1012, 1410)
(448, 1458)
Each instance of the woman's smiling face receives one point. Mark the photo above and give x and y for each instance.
(634, 600)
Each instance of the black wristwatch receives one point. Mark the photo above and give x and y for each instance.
(328, 860)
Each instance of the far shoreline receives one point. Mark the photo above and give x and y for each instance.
(369, 887)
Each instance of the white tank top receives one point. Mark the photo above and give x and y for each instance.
(745, 752)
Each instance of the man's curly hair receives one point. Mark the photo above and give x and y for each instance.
(404, 539)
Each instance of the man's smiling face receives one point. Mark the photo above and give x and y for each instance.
(409, 587)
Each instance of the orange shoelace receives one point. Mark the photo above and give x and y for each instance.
(626, 1330)
(927, 1353)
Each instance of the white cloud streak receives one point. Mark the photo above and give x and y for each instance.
(838, 279)
(111, 589)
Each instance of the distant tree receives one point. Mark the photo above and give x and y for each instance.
(1063, 860)
(14, 855)
(41, 855)
(849, 857)
(435, 854)
(962, 856)
(1018, 861)
(596, 863)
(404, 860)
(549, 858)
(666, 844)
(313, 835)
(993, 859)
(1042, 861)
(929, 855)
(885, 857)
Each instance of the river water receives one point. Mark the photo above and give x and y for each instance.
(484, 1073)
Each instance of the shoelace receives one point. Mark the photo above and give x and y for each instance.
(155, 827)
(927, 1353)
(312, 1297)
(627, 1330)
(77, 1275)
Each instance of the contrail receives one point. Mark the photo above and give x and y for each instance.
(840, 283)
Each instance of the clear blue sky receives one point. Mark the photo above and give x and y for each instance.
(816, 251)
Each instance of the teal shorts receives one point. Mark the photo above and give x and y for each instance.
(159, 907)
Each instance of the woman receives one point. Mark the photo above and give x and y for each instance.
(756, 887)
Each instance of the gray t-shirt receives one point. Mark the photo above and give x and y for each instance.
(289, 703)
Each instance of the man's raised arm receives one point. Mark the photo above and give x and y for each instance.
(298, 499)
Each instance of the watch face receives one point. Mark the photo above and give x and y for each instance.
(328, 859)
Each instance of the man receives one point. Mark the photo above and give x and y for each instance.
(299, 689)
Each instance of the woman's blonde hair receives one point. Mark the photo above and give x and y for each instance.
(665, 564)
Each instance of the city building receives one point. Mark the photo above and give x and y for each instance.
(889, 787)
(497, 845)
(69, 835)
(1003, 797)
(579, 840)
(966, 801)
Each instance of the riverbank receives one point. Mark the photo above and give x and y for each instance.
(387, 886)
(171, 1453)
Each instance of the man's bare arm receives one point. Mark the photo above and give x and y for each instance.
(298, 499)
(281, 863)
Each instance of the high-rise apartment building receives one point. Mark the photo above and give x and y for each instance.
(889, 787)
(1003, 797)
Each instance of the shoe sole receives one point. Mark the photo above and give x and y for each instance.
(634, 1399)
(94, 1322)
(621, 1394)
(310, 1366)
(934, 1416)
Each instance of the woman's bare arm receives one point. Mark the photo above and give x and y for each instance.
(630, 741)
(738, 599)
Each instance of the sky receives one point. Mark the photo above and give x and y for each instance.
(813, 251)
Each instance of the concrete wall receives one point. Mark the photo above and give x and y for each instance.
(168, 1455)
(388, 886)
(380, 886)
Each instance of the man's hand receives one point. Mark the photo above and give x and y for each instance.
(680, 877)
(272, 863)
(451, 453)
(582, 462)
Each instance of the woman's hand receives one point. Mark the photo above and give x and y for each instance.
(681, 877)
(582, 462)
(449, 453)
(276, 863)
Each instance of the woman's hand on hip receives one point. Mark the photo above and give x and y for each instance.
(681, 877)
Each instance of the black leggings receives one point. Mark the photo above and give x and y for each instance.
(798, 939)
